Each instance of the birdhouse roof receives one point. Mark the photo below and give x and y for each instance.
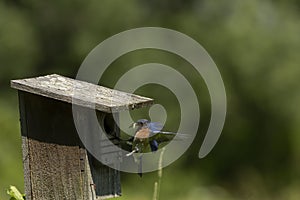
(81, 93)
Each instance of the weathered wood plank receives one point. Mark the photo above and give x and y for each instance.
(27, 177)
(87, 180)
(55, 171)
(56, 166)
(81, 93)
(110, 187)
(25, 146)
(106, 180)
(51, 149)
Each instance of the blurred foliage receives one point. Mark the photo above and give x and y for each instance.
(256, 46)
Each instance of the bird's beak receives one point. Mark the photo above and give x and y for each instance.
(133, 125)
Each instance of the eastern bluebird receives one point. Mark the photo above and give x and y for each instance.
(147, 138)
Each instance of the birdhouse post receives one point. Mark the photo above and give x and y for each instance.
(56, 162)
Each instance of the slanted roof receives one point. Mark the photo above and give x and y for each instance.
(81, 93)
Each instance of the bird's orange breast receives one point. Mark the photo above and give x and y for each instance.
(143, 133)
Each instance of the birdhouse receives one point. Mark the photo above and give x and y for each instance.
(56, 163)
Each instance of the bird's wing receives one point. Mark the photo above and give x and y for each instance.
(125, 144)
(155, 126)
(163, 136)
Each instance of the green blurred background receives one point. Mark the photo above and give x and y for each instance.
(255, 44)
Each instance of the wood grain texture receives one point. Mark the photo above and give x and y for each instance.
(88, 184)
(56, 165)
(81, 93)
(55, 171)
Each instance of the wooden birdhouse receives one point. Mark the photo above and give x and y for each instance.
(56, 163)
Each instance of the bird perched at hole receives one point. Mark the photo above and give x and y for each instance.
(147, 138)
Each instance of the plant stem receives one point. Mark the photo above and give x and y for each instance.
(159, 173)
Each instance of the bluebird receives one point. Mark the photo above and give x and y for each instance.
(147, 138)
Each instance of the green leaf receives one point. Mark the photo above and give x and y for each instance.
(14, 193)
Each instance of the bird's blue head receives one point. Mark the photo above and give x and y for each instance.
(140, 123)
